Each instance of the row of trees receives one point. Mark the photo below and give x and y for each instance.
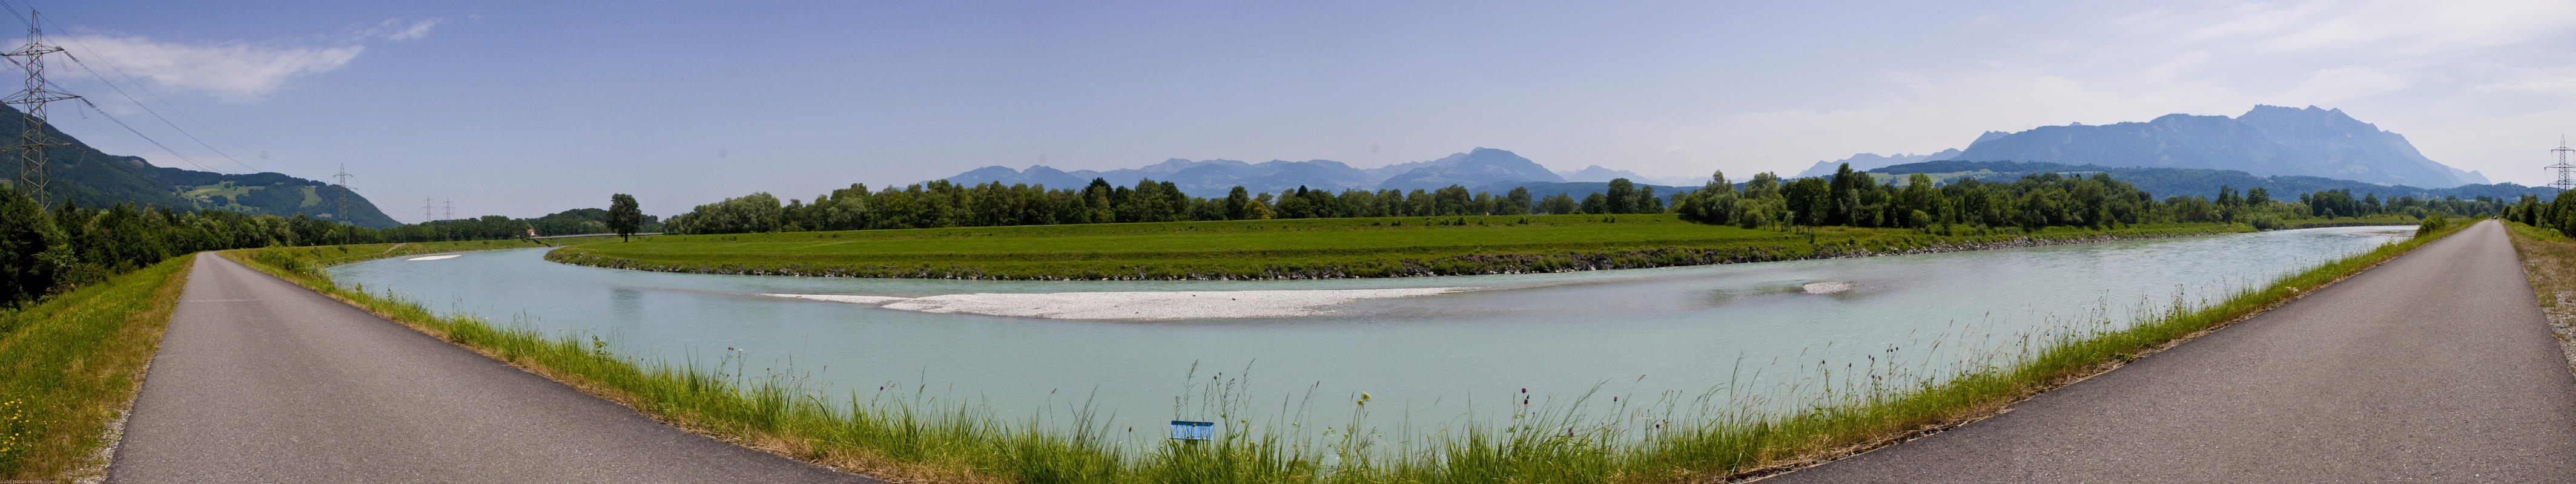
(2037, 200)
(1845, 198)
(1855, 199)
(629, 220)
(45, 251)
(2557, 214)
(48, 251)
(944, 204)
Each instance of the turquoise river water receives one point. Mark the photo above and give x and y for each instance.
(1763, 335)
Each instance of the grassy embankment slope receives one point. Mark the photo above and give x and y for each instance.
(71, 364)
(2549, 261)
(1306, 248)
(932, 442)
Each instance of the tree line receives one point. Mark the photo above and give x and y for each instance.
(46, 251)
(1845, 198)
(2558, 213)
(2036, 200)
(941, 203)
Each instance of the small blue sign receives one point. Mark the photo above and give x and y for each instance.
(1188, 430)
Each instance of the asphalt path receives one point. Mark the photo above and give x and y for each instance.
(2434, 367)
(260, 380)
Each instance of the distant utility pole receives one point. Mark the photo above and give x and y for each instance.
(2566, 172)
(426, 213)
(343, 177)
(449, 208)
(32, 142)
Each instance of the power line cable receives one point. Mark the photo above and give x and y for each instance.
(165, 102)
(129, 97)
(128, 128)
(156, 114)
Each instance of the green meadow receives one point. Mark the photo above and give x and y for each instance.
(1303, 248)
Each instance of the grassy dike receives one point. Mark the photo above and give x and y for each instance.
(1307, 248)
(71, 365)
(931, 442)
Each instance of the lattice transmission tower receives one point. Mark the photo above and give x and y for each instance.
(343, 198)
(428, 211)
(447, 208)
(32, 141)
(2566, 172)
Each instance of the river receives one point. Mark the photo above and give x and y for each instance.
(1762, 335)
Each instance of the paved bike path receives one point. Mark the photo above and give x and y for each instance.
(2435, 367)
(260, 380)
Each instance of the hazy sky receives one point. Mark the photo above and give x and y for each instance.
(524, 108)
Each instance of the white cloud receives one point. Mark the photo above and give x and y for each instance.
(2547, 81)
(394, 29)
(234, 71)
(2348, 83)
(2377, 27)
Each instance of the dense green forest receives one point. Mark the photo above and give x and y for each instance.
(49, 251)
(1847, 198)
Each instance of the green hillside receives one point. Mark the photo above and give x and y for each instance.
(82, 175)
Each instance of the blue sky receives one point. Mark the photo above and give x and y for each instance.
(526, 108)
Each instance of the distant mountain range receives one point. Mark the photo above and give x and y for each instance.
(1871, 161)
(87, 177)
(1213, 178)
(2267, 141)
(1596, 173)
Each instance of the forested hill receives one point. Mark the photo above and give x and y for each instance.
(2165, 182)
(84, 176)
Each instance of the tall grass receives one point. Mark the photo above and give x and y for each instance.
(1671, 438)
(71, 364)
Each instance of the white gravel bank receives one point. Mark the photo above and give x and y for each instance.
(1134, 306)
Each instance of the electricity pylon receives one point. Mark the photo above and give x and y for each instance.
(2566, 172)
(343, 177)
(33, 142)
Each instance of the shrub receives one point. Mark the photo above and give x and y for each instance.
(2431, 224)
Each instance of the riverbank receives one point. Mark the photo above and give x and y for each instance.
(1869, 422)
(1307, 249)
(913, 441)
